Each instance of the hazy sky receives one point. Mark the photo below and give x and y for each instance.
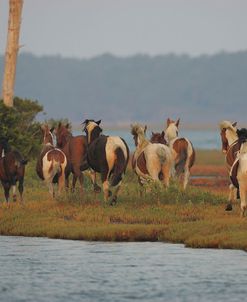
(85, 28)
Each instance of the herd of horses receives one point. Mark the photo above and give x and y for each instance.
(158, 159)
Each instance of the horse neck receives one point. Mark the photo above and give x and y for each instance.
(171, 133)
(231, 136)
(142, 142)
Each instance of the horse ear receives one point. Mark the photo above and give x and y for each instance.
(152, 133)
(145, 129)
(85, 122)
(98, 122)
(234, 124)
(52, 129)
(67, 126)
(177, 122)
(163, 133)
(168, 121)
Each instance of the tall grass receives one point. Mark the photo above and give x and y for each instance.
(193, 217)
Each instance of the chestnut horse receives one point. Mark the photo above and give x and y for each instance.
(158, 138)
(51, 163)
(107, 155)
(151, 161)
(230, 147)
(182, 149)
(75, 149)
(12, 169)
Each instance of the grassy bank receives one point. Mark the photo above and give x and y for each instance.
(195, 217)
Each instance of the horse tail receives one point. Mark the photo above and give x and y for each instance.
(179, 166)
(119, 167)
(161, 153)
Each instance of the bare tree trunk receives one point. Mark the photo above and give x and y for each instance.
(15, 9)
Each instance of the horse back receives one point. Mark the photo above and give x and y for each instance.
(12, 166)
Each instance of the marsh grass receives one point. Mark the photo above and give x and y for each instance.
(193, 217)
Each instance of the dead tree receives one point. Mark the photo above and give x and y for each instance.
(14, 24)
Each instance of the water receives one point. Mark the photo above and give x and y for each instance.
(40, 269)
(201, 139)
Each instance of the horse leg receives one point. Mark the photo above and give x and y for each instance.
(186, 177)
(96, 187)
(20, 188)
(242, 191)
(61, 180)
(114, 198)
(77, 174)
(231, 197)
(6, 186)
(166, 171)
(74, 179)
(14, 192)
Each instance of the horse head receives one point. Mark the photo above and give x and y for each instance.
(158, 138)
(171, 131)
(228, 133)
(63, 134)
(138, 132)
(47, 134)
(92, 129)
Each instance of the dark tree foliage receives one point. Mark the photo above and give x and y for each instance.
(18, 124)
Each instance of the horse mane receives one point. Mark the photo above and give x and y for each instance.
(137, 129)
(226, 125)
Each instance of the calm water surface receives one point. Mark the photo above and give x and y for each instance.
(39, 269)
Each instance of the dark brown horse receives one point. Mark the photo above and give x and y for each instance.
(12, 169)
(75, 149)
(158, 138)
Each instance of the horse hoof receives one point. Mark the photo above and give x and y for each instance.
(113, 202)
(97, 189)
(228, 207)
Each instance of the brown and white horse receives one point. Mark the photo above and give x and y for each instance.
(51, 163)
(230, 147)
(107, 155)
(12, 169)
(75, 149)
(182, 150)
(151, 161)
(238, 171)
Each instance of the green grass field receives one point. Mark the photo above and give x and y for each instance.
(195, 217)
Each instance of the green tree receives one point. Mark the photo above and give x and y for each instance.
(19, 125)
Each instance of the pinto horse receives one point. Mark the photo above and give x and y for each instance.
(75, 149)
(12, 169)
(230, 147)
(151, 161)
(182, 150)
(107, 155)
(51, 163)
(238, 171)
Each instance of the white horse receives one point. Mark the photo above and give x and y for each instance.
(182, 150)
(230, 147)
(51, 163)
(238, 172)
(151, 161)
